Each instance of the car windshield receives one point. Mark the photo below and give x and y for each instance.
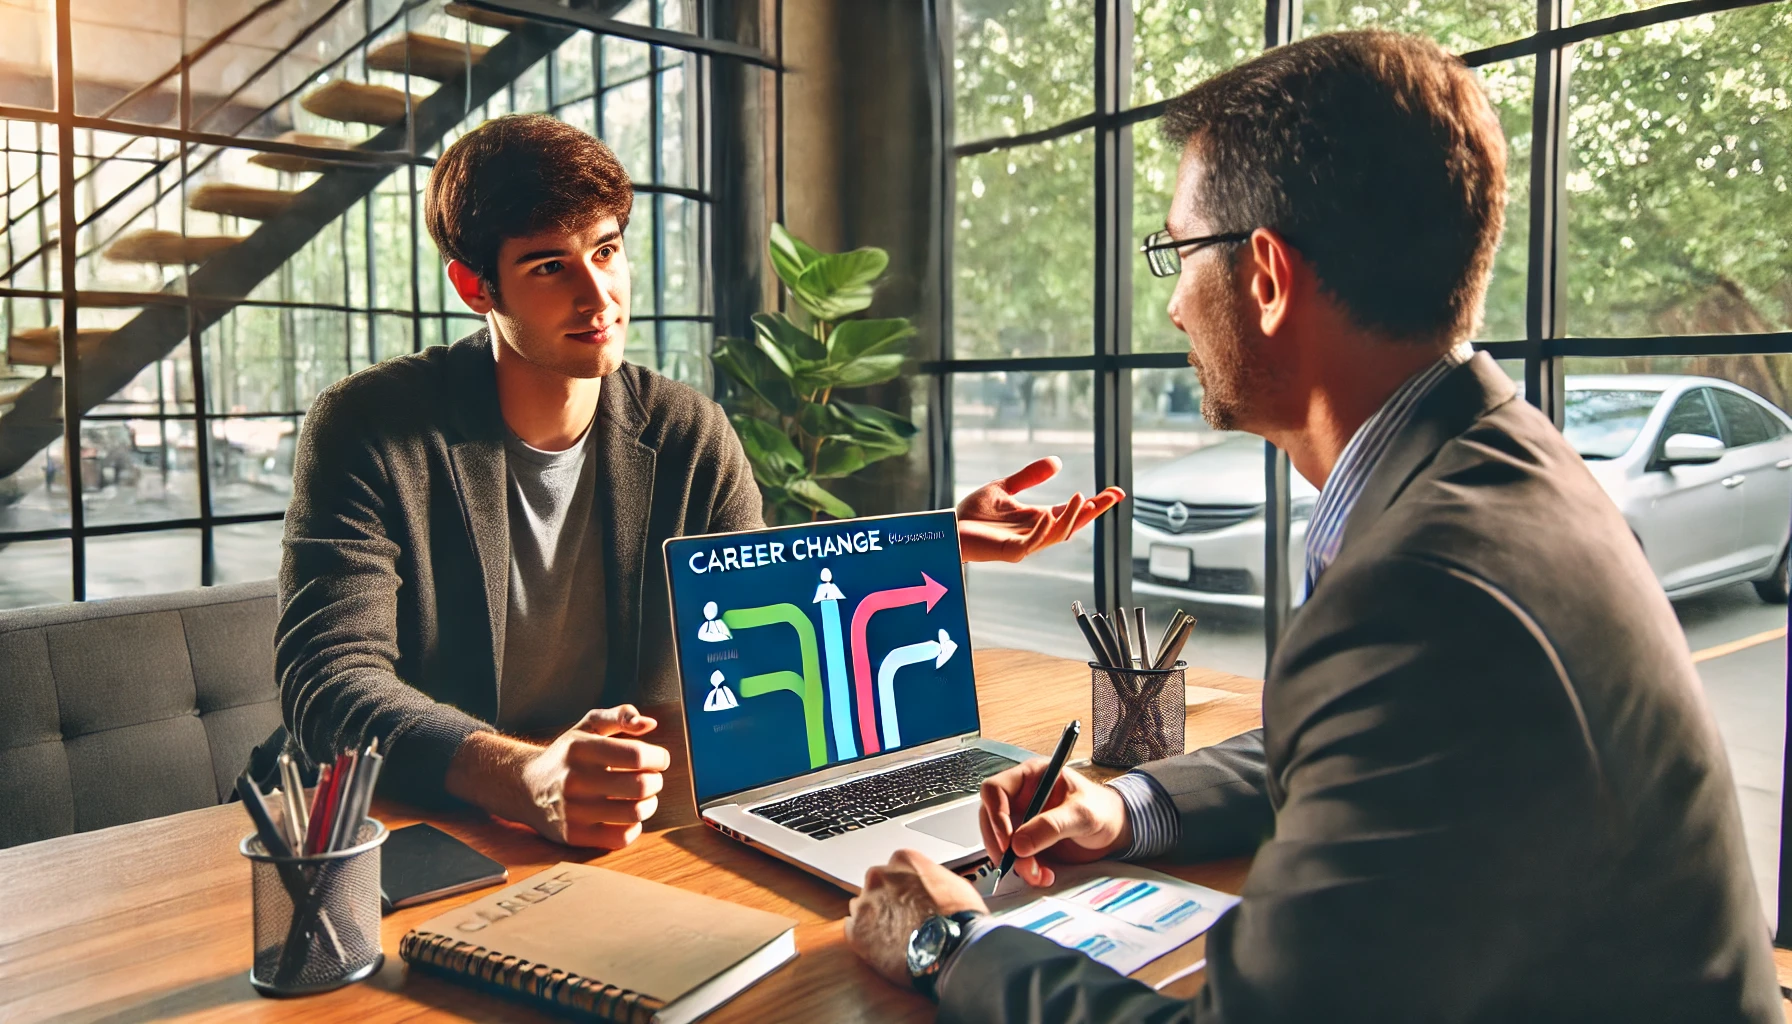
(1604, 424)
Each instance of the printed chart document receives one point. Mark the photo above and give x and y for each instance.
(1120, 915)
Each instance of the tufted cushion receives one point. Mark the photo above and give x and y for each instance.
(115, 711)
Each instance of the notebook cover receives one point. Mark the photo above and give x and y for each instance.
(613, 929)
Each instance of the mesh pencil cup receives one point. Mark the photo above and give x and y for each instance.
(317, 918)
(1140, 714)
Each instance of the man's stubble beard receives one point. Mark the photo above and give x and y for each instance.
(1234, 375)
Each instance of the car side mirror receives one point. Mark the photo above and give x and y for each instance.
(1691, 450)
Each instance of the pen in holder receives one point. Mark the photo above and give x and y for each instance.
(1139, 714)
(317, 918)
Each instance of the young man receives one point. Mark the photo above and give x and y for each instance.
(1486, 788)
(474, 533)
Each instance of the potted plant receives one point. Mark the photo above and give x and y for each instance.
(795, 427)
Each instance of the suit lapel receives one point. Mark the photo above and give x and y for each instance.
(1466, 394)
(477, 455)
(624, 499)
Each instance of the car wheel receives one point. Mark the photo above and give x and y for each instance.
(1774, 589)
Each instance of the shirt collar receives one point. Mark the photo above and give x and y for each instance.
(1325, 531)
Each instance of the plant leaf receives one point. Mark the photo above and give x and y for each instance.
(742, 361)
(790, 255)
(817, 497)
(874, 418)
(838, 285)
(799, 345)
(840, 458)
(771, 452)
(819, 420)
(867, 371)
(853, 339)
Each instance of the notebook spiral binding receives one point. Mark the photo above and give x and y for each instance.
(448, 955)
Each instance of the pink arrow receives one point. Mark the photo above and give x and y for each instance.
(930, 592)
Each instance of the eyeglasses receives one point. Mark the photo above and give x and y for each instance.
(1164, 254)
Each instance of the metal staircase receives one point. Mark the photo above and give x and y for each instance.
(227, 268)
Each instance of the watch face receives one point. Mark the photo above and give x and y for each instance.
(925, 944)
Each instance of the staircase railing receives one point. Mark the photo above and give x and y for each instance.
(35, 419)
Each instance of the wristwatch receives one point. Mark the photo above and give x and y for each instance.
(932, 944)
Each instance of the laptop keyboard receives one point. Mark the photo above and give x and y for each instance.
(826, 813)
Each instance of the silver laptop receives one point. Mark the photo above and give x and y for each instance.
(829, 698)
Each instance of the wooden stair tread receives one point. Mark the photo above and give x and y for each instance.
(481, 16)
(168, 247)
(240, 200)
(340, 100)
(12, 387)
(431, 56)
(300, 164)
(41, 346)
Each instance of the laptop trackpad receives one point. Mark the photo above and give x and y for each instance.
(956, 825)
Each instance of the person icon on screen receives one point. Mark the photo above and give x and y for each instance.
(713, 629)
(827, 591)
(720, 698)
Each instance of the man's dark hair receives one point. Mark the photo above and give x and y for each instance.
(514, 176)
(1377, 156)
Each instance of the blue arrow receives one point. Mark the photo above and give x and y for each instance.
(839, 702)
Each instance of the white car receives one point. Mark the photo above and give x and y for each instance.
(1197, 526)
(1701, 469)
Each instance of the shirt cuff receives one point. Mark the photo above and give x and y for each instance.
(1152, 814)
(978, 928)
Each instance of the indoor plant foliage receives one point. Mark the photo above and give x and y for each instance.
(795, 428)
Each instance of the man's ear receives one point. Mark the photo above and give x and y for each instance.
(1274, 264)
(471, 287)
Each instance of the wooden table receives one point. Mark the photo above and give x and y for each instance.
(151, 921)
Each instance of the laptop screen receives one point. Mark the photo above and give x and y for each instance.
(807, 646)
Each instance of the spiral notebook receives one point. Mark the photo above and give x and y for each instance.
(606, 945)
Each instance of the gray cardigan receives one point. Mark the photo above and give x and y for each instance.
(397, 550)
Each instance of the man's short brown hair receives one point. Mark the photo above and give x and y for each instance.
(1377, 155)
(514, 176)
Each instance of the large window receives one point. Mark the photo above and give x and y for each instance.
(1645, 263)
(230, 218)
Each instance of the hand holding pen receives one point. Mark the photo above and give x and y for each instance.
(1077, 822)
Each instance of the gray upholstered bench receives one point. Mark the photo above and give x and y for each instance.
(114, 711)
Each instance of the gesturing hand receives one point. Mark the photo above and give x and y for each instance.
(592, 786)
(1082, 821)
(994, 526)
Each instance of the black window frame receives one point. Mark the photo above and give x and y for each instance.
(362, 315)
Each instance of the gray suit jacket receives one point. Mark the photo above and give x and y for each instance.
(1486, 788)
(393, 584)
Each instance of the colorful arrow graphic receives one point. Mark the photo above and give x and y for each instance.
(844, 747)
(930, 591)
(937, 651)
(807, 686)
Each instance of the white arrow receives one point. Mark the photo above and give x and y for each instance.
(938, 651)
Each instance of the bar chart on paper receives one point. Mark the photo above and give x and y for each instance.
(1124, 916)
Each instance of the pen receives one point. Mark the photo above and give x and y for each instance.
(1110, 641)
(294, 785)
(1083, 623)
(1047, 783)
(1142, 639)
(1163, 642)
(1121, 631)
(1168, 658)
